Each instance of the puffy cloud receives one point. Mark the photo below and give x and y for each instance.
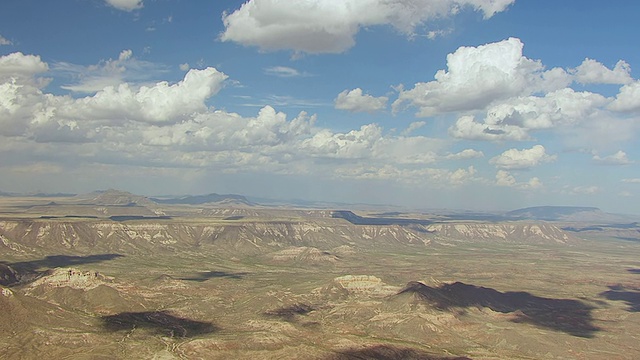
(594, 72)
(169, 126)
(522, 159)
(318, 26)
(4, 41)
(517, 117)
(185, 67)
(466, 127)
(628, 99)
(19, 65)
(161, 102)
(125, 5)
(477, 76)
(619, 158)
(504, 178)
(356, 101)
(284, 71)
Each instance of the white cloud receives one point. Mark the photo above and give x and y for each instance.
(504, 178)
(413, 127)
(285, 72)
(317, 26)
(522, 159)
(4, 41)
(185, 67)
(169, 126)
(111, 72)
(594, 72)
(619, 158)
(434, 177)
(438, 33)
(19, 65)
(466, 127)
(632, 181)
(356, 101)
(628, 99)
(477, 76)
(465, 154)
(161, 102)
(125, 5)
(584, 190)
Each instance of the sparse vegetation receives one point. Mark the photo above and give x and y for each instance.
(294, 284)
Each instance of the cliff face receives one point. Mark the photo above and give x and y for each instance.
(505, 232)
(24, 236)
(33, 236)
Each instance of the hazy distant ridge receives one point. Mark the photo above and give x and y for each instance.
(552, 213)
(204, 199)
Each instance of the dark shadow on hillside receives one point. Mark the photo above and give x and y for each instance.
(360, 220)
(12, 274)
(206, 275)
(159, 322)
(388, 352)
(634, 271)
(570, 316)
(630, 296)
(289, 313)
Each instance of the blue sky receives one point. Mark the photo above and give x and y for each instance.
(466, 104)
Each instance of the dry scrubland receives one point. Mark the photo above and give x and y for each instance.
(125, 277)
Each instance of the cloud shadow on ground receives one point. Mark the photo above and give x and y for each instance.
(12, 274)
(159, 322)
(206, 275)
(630, 296)
(567, 315)
(289, 313)
(388, 352)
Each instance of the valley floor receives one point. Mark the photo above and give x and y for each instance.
(443, 301)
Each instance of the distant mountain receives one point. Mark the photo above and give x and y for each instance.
(558, 213)
(205, 199)
(115, 197)
(38, 194)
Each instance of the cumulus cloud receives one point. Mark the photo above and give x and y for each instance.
(4, 41)
(477, 76)
(162, 102)
(168, 125)
(19, 65)
(522, 159)
(185, 67)
(594, 72)
(575, 113)
(628, 99)
(355, 101)
(619, 158)
(125, 5)
(504, 178)
(319, 26)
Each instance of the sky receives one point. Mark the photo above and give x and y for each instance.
(428, 104)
